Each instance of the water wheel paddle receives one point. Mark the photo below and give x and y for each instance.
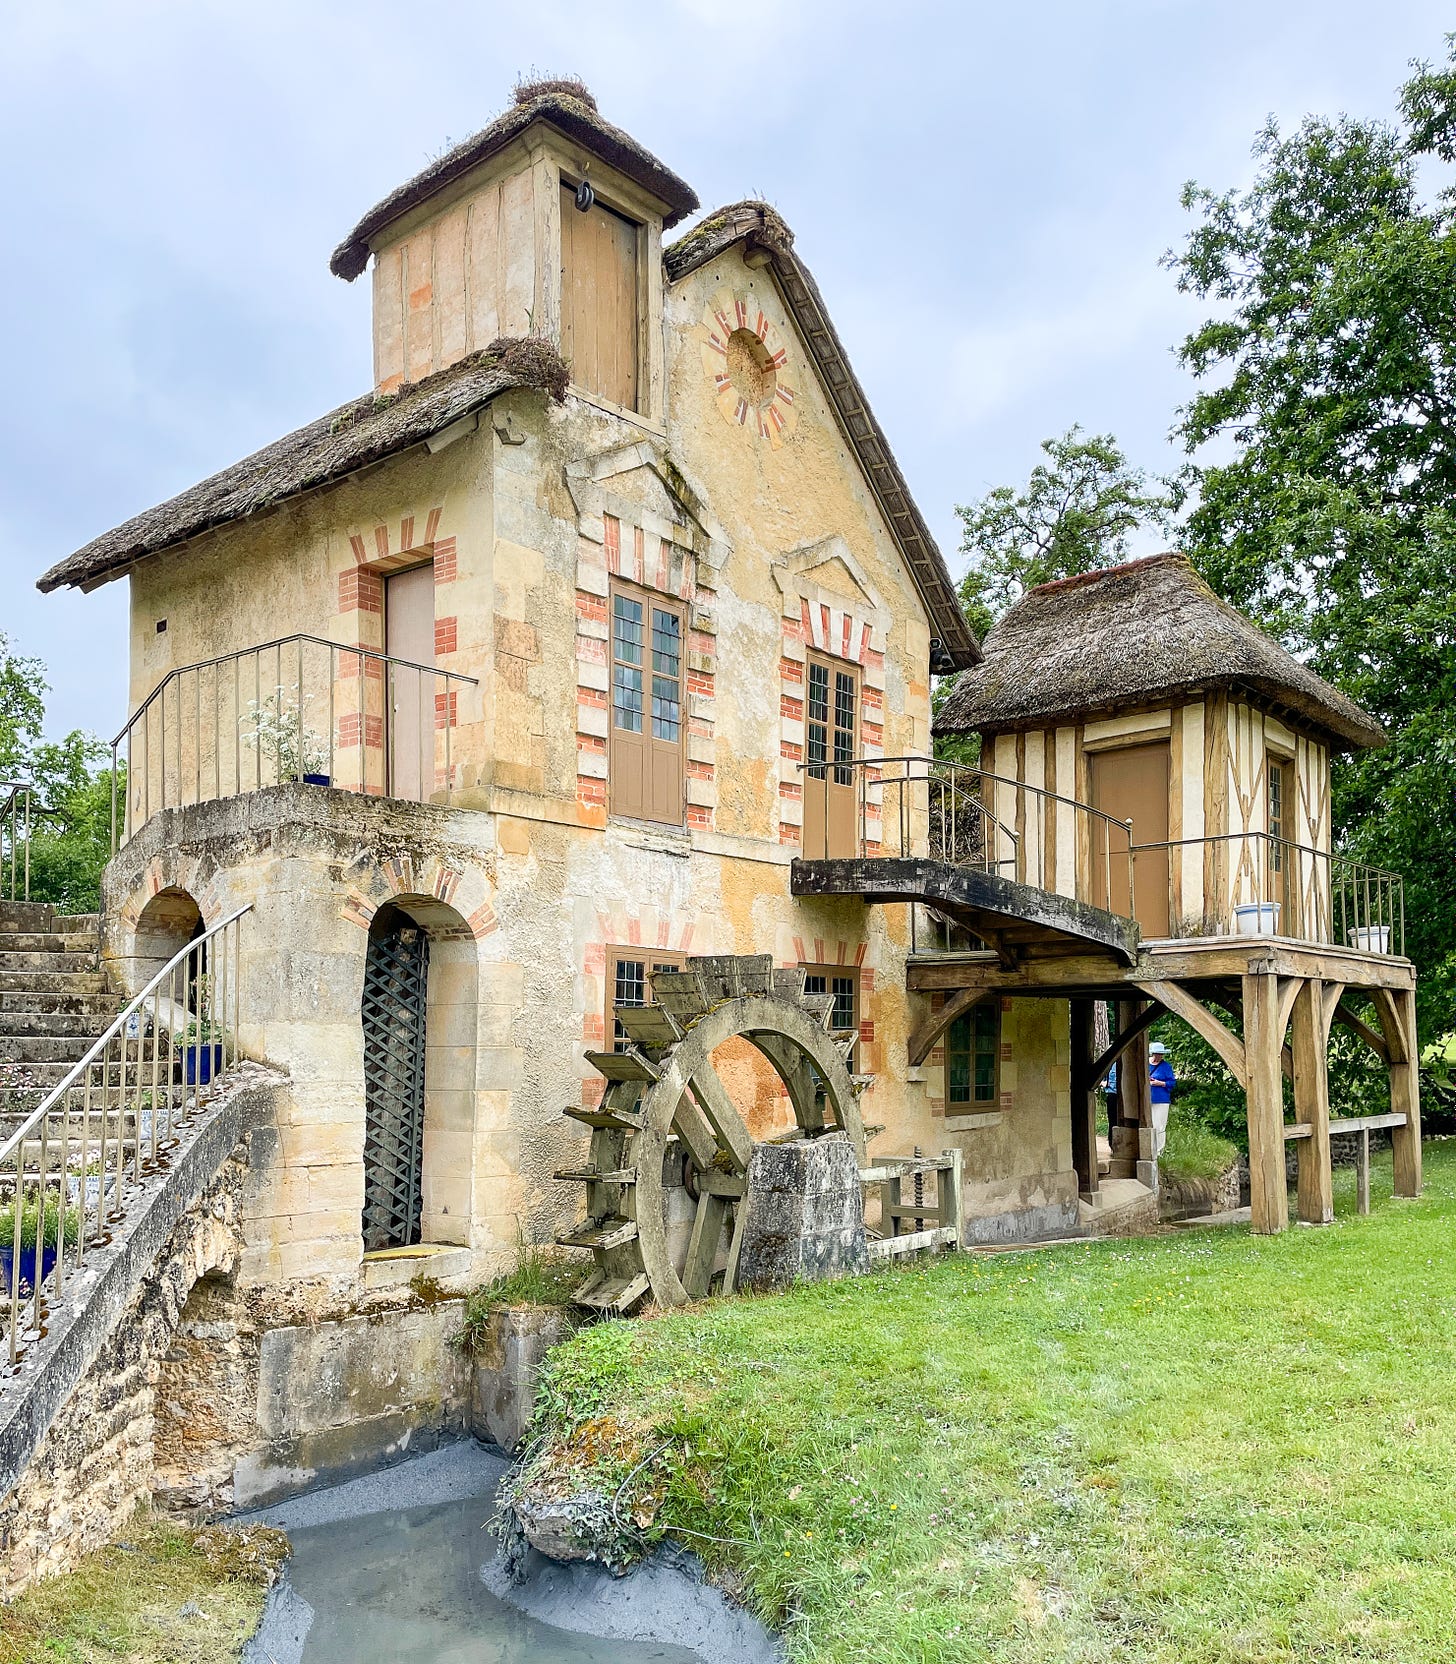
(663, 1086)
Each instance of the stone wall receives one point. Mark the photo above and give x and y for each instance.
(97, 1459)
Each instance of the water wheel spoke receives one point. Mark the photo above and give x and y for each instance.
(692, 1126)
(712, 1098)
(697, 1270)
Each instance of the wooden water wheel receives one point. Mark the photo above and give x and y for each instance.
(664, 1099)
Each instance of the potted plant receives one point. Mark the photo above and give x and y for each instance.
(200, 1044)
(40, 1233)
(297, 751)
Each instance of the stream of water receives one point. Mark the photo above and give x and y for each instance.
(404, 1587)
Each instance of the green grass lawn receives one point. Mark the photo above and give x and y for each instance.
(1199, 1447)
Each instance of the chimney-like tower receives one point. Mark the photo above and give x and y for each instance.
(548, 222)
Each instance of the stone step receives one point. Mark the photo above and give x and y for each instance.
(28, 1049)
(49, 941)
(33, 1001)
(67, 963)
(20, 1025)
(27, 915)
(52, 982)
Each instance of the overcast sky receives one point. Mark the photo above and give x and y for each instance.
(982, 192)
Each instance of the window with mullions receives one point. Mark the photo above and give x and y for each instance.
(844, 986)
(645, 763)
(972, 1044)
(832, 706)
(629, 982)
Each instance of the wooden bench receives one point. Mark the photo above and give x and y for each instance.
(1364, 1125)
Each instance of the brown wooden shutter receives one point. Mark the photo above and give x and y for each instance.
(831, 735)
(645, 762)
(599, 299)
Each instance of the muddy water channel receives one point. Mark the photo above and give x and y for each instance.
(401, 1568)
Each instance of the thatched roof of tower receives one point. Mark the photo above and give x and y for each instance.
(1133, 635)
(565, 105)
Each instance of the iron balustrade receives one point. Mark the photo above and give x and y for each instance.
(969, 817)
(18, 811)
(299, 710)
(70, 1170)
(1284, 889)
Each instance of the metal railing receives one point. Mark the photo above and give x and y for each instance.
(17, 814)
(969, 817)
(1252, 883)
(297, 710)
(70, 1169)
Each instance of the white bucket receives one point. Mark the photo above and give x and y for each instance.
(1371, 938)
(1257, 918)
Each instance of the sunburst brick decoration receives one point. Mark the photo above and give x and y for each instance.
(746, 356)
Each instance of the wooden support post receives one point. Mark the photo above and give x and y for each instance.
(1264, 1092)
(1362, 1171)
(948, 1192)
(1405, 1093)
(1315, 1192)
(1138, 1107)
(1084, 1104)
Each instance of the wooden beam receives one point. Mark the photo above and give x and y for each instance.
(1330, 993)
(1405, 1098)
(1315, 1191)
(1084, 1110)
(1289, 990)
(1202, 1021)
(1387, 1012)
(1264, 1095)
(926, 1033)
(1347, 1019)
(1125, 1038)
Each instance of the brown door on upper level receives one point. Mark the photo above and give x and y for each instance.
(1132, 784)
(645, 750)
(1278, 854)
(409, 635)
(831, 741)
(599, 299)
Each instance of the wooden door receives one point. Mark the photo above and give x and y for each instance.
(409, 635)
(599, 299)
(645, 760)
(1278, 856)
(1132, 783)
(831, 741)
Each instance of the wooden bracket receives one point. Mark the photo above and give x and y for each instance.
(926, 1033)
(1139, 1025)
(1203, 1022)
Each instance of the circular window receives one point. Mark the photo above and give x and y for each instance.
(750, 368)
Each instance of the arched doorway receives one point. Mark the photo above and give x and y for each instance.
(396, 974)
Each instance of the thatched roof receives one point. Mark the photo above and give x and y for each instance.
(346, 440)
(760, 228)
(1130, 636)
(564, 105)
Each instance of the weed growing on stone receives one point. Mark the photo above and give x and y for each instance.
(543, 1277)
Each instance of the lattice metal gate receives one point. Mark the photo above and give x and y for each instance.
(395, 974)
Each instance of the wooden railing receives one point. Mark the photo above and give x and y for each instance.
(922, 1218)
(70, 1171)
(300, 710)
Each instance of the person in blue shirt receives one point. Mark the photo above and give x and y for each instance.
(1162, 1080)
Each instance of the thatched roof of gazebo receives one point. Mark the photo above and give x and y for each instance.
(1129, 636)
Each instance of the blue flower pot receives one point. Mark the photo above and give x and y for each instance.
(201, 1063)
(27, 1266)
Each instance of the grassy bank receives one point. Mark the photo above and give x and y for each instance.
(160, 1594)
(1201, 1447)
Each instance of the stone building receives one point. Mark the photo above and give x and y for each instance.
(597, 637)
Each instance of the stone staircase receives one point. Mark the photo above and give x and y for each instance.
(53, 1001)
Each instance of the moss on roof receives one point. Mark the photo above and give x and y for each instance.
(1131, 635)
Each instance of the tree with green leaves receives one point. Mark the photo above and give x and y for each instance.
(70, 840)
(1327, 371)
(1075, 514)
